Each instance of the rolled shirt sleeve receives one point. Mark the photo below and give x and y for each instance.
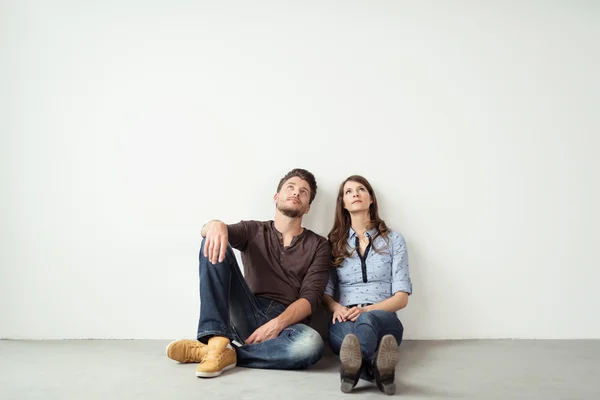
(240, 233)
(315, 280)
(400, 274)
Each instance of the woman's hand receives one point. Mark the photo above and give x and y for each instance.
(353, 313)
(338, 313)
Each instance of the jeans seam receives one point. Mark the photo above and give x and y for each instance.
(251, 296)
(269, 308)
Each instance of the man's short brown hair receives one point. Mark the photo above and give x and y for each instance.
(302, 174)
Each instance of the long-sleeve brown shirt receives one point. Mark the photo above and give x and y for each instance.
(283, 274)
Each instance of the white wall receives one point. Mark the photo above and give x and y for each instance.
(125, 126)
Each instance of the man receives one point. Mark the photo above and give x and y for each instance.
(258, 321)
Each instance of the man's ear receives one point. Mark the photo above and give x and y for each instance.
(307, 210)
(275, 198)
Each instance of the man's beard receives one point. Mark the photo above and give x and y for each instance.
(291, 212)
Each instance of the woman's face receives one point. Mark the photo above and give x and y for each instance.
(356, 197)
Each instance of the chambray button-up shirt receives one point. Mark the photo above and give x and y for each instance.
(387, 271)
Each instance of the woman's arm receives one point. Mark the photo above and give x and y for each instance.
(397, 302)
(329, 302)
(336, 308)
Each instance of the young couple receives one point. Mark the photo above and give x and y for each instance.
(259, 320)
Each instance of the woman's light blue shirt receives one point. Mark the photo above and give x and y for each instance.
(387, 271)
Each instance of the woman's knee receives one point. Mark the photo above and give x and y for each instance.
(382, 322)
(377, 316)
(367, 318)
(337, 333)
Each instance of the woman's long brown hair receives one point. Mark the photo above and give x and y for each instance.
(338, 236)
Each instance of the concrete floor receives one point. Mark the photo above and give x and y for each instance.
(469, 369)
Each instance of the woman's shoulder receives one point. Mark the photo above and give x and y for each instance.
(395, 237)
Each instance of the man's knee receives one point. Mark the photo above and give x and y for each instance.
(307, 348)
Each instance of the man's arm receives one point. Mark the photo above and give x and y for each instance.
(294, 313)
(315, 281)
(216, 242)
(218, 235)
(311, 293)
(205, 227)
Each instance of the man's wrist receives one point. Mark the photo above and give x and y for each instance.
(206, 227)
(279, 324)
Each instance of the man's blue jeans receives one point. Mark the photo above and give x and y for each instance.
(369, 327)
(229, 308)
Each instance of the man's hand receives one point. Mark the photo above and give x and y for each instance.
(338, 313)
(216, 242)
(353, 313)
(270, 330)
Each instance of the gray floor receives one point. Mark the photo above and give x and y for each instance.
(470, 369)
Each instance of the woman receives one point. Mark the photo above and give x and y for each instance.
(373, 282)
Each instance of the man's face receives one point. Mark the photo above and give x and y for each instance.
(293, 198)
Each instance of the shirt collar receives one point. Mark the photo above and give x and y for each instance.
(370, 233)
(280, 235)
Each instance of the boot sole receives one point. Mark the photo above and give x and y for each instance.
(351, 359)
(387, 359)
(216, 373)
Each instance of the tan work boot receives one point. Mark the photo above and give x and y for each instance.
(220, 357)
(187, 351)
